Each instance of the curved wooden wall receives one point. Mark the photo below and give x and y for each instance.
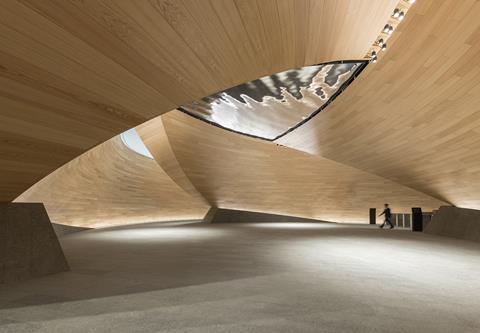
(156, 140)
(413, 117)
(75, 73)
(112, 185)
(237, 172)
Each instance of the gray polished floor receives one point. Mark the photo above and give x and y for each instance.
(289, 277)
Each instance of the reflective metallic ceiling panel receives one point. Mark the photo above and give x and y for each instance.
(271, 106)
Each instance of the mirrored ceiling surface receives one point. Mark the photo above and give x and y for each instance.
(272, 105)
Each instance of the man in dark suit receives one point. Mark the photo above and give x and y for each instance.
(388, 215)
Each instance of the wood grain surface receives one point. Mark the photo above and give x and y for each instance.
(237, 172)
(414, 116)
(157, 142)
(75, 73)
(112, 185)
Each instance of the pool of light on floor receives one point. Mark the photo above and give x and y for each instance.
(292, 225)
(147, 232)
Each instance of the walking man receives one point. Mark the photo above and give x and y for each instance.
(388, 215)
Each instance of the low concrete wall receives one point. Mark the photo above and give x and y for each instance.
(63, 229)
(28, 245)
(455, 222)
(219, 215)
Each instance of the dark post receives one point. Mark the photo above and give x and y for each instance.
(417, 219)
(373, 216)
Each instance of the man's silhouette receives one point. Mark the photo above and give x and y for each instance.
(388, 215)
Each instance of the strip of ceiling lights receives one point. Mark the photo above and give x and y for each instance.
(381, 42)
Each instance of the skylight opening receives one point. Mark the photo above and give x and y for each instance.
(132, 140)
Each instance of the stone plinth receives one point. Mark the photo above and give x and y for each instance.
(28, 245)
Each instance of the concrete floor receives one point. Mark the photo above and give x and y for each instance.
(289, 277)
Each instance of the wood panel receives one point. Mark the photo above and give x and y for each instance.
(75, 73)
(237, 172)
(413, 117)
(156, 140)
(112, 185)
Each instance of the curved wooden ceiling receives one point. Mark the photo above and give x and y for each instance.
(413, 117)
(113, 185)
(75, 73)
(237, 172)
(197, 166)
(157, 142)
